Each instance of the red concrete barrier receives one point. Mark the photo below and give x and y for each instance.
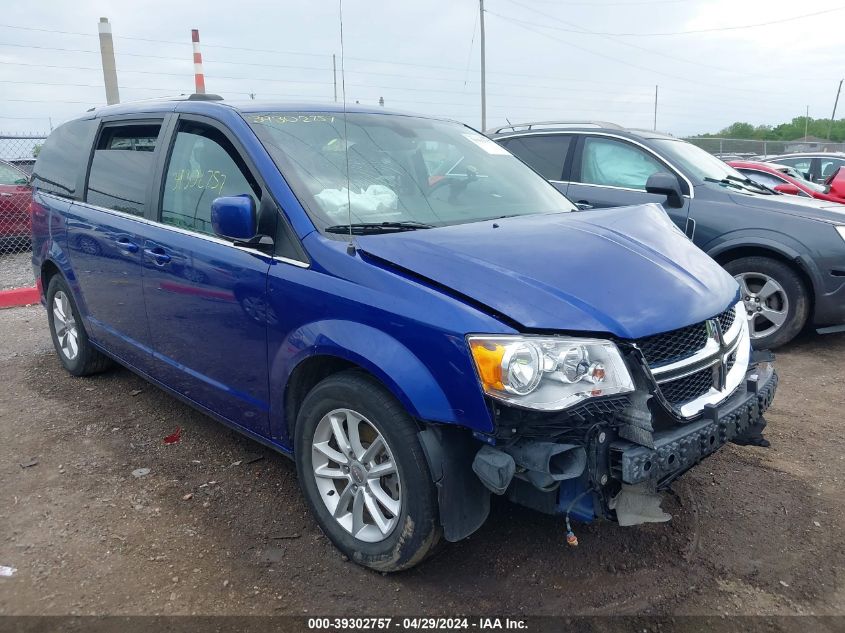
(19, 297)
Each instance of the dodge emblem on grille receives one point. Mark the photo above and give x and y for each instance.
(720, 369)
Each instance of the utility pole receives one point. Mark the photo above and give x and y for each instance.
(483, 73)
(833, 116)
(655, 108)
(806, 122)
(107, 57)
(334, 74)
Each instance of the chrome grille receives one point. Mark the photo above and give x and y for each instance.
(678, 344)
(695, 365)
(726, 319)
(674, 345)
(689, 387)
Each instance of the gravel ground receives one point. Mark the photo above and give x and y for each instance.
(218, 526)
(16, 270)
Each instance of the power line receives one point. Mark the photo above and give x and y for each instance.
(560, 3)
(717, 29)
(403, 76)
(525, 25)
(585, 31)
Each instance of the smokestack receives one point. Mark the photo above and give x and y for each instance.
(199, 77)
(107, 56)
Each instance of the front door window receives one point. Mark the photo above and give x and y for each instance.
(616, 164)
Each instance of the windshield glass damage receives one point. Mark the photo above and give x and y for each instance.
(384, 172)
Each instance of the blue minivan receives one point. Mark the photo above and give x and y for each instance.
(399, 304)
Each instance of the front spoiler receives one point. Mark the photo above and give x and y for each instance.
(677, 450)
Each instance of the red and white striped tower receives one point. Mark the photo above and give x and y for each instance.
(199, 77)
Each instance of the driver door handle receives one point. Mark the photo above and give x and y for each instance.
(127, 245)
(158, 255)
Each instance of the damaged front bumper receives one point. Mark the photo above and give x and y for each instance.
(614, 473)
(675, 451)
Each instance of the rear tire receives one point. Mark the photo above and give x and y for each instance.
(397, 523)
(70, 339)
(776, 299)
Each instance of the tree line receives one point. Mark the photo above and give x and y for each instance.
(791, 131)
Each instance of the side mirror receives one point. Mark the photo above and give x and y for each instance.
(22, 181)
(233, 217)
(788, 188)
(665, 184)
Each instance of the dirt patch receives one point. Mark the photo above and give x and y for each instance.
(218, 525)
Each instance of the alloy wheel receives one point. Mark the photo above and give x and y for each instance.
(356, 475)
(765, 301)
(65, 326)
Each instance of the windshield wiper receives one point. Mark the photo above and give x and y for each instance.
(367, 228)
(741, 183)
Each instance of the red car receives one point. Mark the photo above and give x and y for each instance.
(786, 179)
(15, 197)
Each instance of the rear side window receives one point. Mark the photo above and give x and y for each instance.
(546, 154)
(203, 166)
(122, 169)
(61, 162)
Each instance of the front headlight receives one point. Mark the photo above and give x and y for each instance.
(841, 230)
(548, 373)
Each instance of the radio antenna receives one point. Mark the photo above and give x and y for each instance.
(351, 246)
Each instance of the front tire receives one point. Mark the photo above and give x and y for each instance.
(775, 298)
(70, 339)
(364, 475)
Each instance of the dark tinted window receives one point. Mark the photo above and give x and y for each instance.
(546, 154)
(122, 169)
(63, 158)
(138, 138)
(203, 166)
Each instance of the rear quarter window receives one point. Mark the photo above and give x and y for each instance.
(61, 163)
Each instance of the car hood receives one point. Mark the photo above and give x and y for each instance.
(626, 271)
(811, 208)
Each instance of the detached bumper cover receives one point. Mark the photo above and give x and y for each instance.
(681, 448)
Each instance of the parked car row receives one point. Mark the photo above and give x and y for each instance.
(814, 166)
(786, 179)
(786, 253)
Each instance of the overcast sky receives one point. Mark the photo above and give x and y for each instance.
(546, 59)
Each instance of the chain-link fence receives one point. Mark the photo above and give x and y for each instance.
(17, 156)
(737, 148)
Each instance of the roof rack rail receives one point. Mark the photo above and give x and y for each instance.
(180, 97)
(552, 124)
(204, 97)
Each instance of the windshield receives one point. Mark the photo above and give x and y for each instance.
(403, 171)
(695, 161)
(797, 175)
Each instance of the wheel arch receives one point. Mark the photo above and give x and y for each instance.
(320, 349)
(729, 252)
(48, 270)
